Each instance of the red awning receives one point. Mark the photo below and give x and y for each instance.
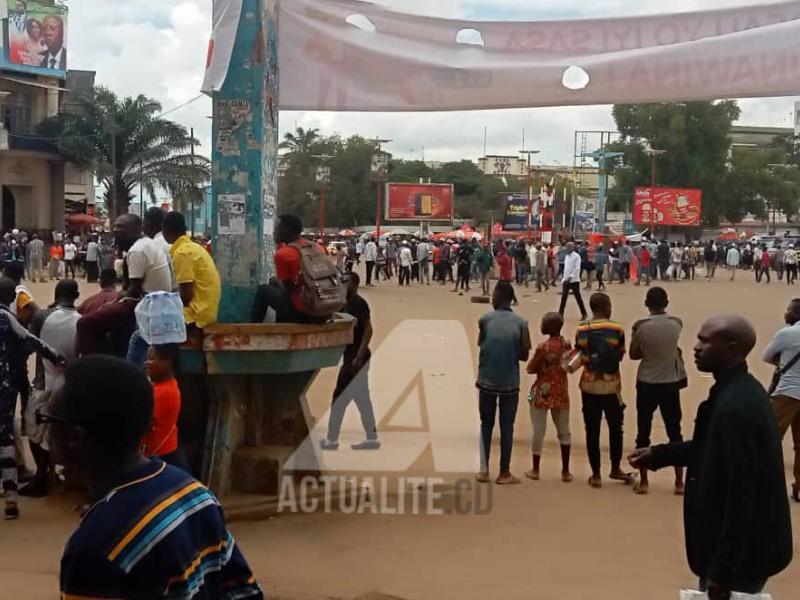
(82, 220)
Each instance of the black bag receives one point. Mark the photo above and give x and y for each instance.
(603, 358)
(780, 372)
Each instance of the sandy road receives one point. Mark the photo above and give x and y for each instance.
(545, 539)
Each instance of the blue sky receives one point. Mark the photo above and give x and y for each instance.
(159, 49)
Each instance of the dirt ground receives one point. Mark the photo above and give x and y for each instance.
(541, 539)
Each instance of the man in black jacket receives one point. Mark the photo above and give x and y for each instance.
(736, 511)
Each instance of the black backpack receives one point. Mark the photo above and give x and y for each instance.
(603, 358)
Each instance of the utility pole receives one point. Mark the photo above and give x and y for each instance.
(653, 154)
(322, 177)
(602, 157)
(141, 190)
(530, 188)
(113, 207)
(192, 190)
(379, 175)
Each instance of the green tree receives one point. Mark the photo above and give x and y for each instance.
(696, 139)
(126, 144)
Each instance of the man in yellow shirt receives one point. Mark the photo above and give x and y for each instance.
(195, 273)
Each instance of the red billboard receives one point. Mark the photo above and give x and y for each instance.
(667, 206)
(419, 201)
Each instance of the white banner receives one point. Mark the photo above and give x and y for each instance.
(343, 55)
(225, 23)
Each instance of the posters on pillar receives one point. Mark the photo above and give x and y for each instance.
(356, 56)
(268, 214)
(230, 116)
(516, 215)
(36, 37)
(230, 214)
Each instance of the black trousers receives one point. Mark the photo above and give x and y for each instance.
(370, 267)
(405, 275)
(594, 407)
(665, 397)
(489, 404)
(276, 298)
(91, 272)
(575, 288)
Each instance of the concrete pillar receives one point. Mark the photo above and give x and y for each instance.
(57, 195)
(245, 152)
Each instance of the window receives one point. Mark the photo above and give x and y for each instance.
(17, 117)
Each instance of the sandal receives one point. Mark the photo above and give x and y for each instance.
(640, 488)
(532, 475)
(626, 478)
(595, 481)
(566, 477)
(12, 511)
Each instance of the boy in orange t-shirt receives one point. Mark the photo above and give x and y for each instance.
(162, 439)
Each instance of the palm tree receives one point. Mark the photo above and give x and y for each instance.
(126, 144)
(300, 142)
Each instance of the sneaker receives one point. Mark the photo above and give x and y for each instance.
(12, 511)
(367, 445)
(326, 444)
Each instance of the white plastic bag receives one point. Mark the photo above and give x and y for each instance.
(160, 319)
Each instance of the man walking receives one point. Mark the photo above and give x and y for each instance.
(35, 254)
(625, 260)
(572, 280)
(423, 259)
(736, 513)
(790, 260)
(601, 343)
(784, 352)
(732, 260)
(540, 266)
(661, 377)
(353, 381)
(504, 341)
(484, 261)
(710, 256)
(92, 260)
(370, 257)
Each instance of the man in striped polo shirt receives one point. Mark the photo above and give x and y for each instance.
(601, 343)
(153, 531)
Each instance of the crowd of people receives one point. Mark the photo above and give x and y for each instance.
(103, 406)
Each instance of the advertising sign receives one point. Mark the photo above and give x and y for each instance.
(584, 222)
(37, 37)
(516, 218)
(419, 202)
(667, 206)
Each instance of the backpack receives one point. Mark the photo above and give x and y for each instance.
(603, 359)
(321, 289)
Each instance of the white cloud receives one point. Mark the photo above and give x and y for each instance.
(159, 49)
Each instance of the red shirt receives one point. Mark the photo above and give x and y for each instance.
(551, 389)
(101, 298)
(56, 252)
(645, 257)
(437, 255)
(765, 260)
(162, 439)
(504, 262)
(288, 267)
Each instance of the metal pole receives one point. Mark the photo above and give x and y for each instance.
(530, 196)
(192, 190)
(113, 207)
(141, 194)
(322, 213)
(378, 209)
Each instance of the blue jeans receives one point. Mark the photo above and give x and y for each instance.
(137, 350)
(488, 406)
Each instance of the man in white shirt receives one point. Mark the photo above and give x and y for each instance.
(57, 328)
(572, 280)
(783, 352)
(146, 264)
(92, 260)
(151, 226)
(370, 256)
(405, 260)
(70, 251)
(790, 260)
(733, 257)
(423, 258)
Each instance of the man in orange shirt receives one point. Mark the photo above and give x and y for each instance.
(284, 295)
(56, 256)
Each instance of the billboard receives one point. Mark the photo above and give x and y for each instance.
(584, 222)
(36, 38)
(516, 217)
(419, 202)
(667, 206)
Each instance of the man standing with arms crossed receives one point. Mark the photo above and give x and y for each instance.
(572, 280)
(736, 513)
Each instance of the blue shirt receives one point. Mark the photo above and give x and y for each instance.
(161, 534)
(500, 341)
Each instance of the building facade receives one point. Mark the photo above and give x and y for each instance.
(38, 186)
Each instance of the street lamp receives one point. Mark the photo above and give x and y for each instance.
(530, 187)
(380, 167)
(322, 176)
